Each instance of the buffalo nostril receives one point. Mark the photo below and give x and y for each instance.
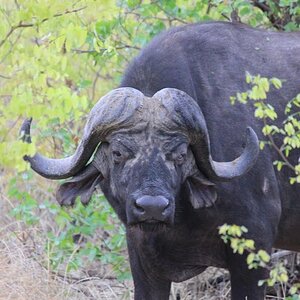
(152, 206)
(167, 203)
(139, 206)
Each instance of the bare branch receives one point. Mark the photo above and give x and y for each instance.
(25, 25)
(104, 49)
(10, 129)
(5, 77)
(171, 17)
(226, 17)
(94, 84)
(280, 254)
(12, 44)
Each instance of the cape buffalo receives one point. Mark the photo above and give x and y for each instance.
(171, 159)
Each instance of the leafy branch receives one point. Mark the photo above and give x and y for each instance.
(279, 14)
(278, 150)
(233, 235)
(290, 130)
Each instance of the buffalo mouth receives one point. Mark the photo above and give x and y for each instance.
(151, 225)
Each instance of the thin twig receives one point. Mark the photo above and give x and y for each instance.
(281, 254)
(94, 84)
(10, 128)
(172, 18)
(12, 44)
(25, 25)
(104, 49)
(288, 164)
(4, 76)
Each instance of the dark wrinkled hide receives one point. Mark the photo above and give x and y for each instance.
(209, 61)
(170, 200)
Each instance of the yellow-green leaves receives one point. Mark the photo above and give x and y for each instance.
(257, 259)
(263, 256)
(10, 150)
(41, 73)
(258, 92)
(289, 132)
(293, 290)
(233, 234)
(289, 129)
(276, 83)
(277, 274)
(74, 36)
(233, 230)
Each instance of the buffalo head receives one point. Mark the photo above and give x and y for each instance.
(146, 150)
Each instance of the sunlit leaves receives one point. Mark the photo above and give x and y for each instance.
(234, 236)
(289, 131)
(256, 258)
(276, 82)
(277, 274)
(43, 73)
(75, 36)
(10, 150)
(57, 59)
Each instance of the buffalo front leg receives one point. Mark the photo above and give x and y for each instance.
(145, 289)
(244, 282)
(147, 283)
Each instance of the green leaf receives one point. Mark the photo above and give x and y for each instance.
(249, 244)
(276, 82)
(250, 258)
(289, 129)
(264, 256)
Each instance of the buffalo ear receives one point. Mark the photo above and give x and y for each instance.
(84, 183)
(81, 185)
(200, 191)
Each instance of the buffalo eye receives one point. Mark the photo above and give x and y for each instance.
(117, 156)
(179, 159)
(178, 154)
(120, 153)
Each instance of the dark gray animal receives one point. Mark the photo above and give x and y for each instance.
(167, 159)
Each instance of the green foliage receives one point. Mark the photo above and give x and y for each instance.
(77, 226)
(27, 210)
(277, 274)
(57, 58)
(233, 235)
(71, 242)
(289, 132)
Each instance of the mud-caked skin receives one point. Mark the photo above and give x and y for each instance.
(176, 161)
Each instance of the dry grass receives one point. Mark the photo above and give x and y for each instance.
(24, 273)
(23, 277)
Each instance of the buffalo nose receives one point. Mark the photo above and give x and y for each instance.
(151, 207)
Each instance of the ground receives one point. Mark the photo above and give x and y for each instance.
(24, 273)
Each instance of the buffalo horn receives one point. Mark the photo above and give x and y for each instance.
(186, 114)
(114, 110)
